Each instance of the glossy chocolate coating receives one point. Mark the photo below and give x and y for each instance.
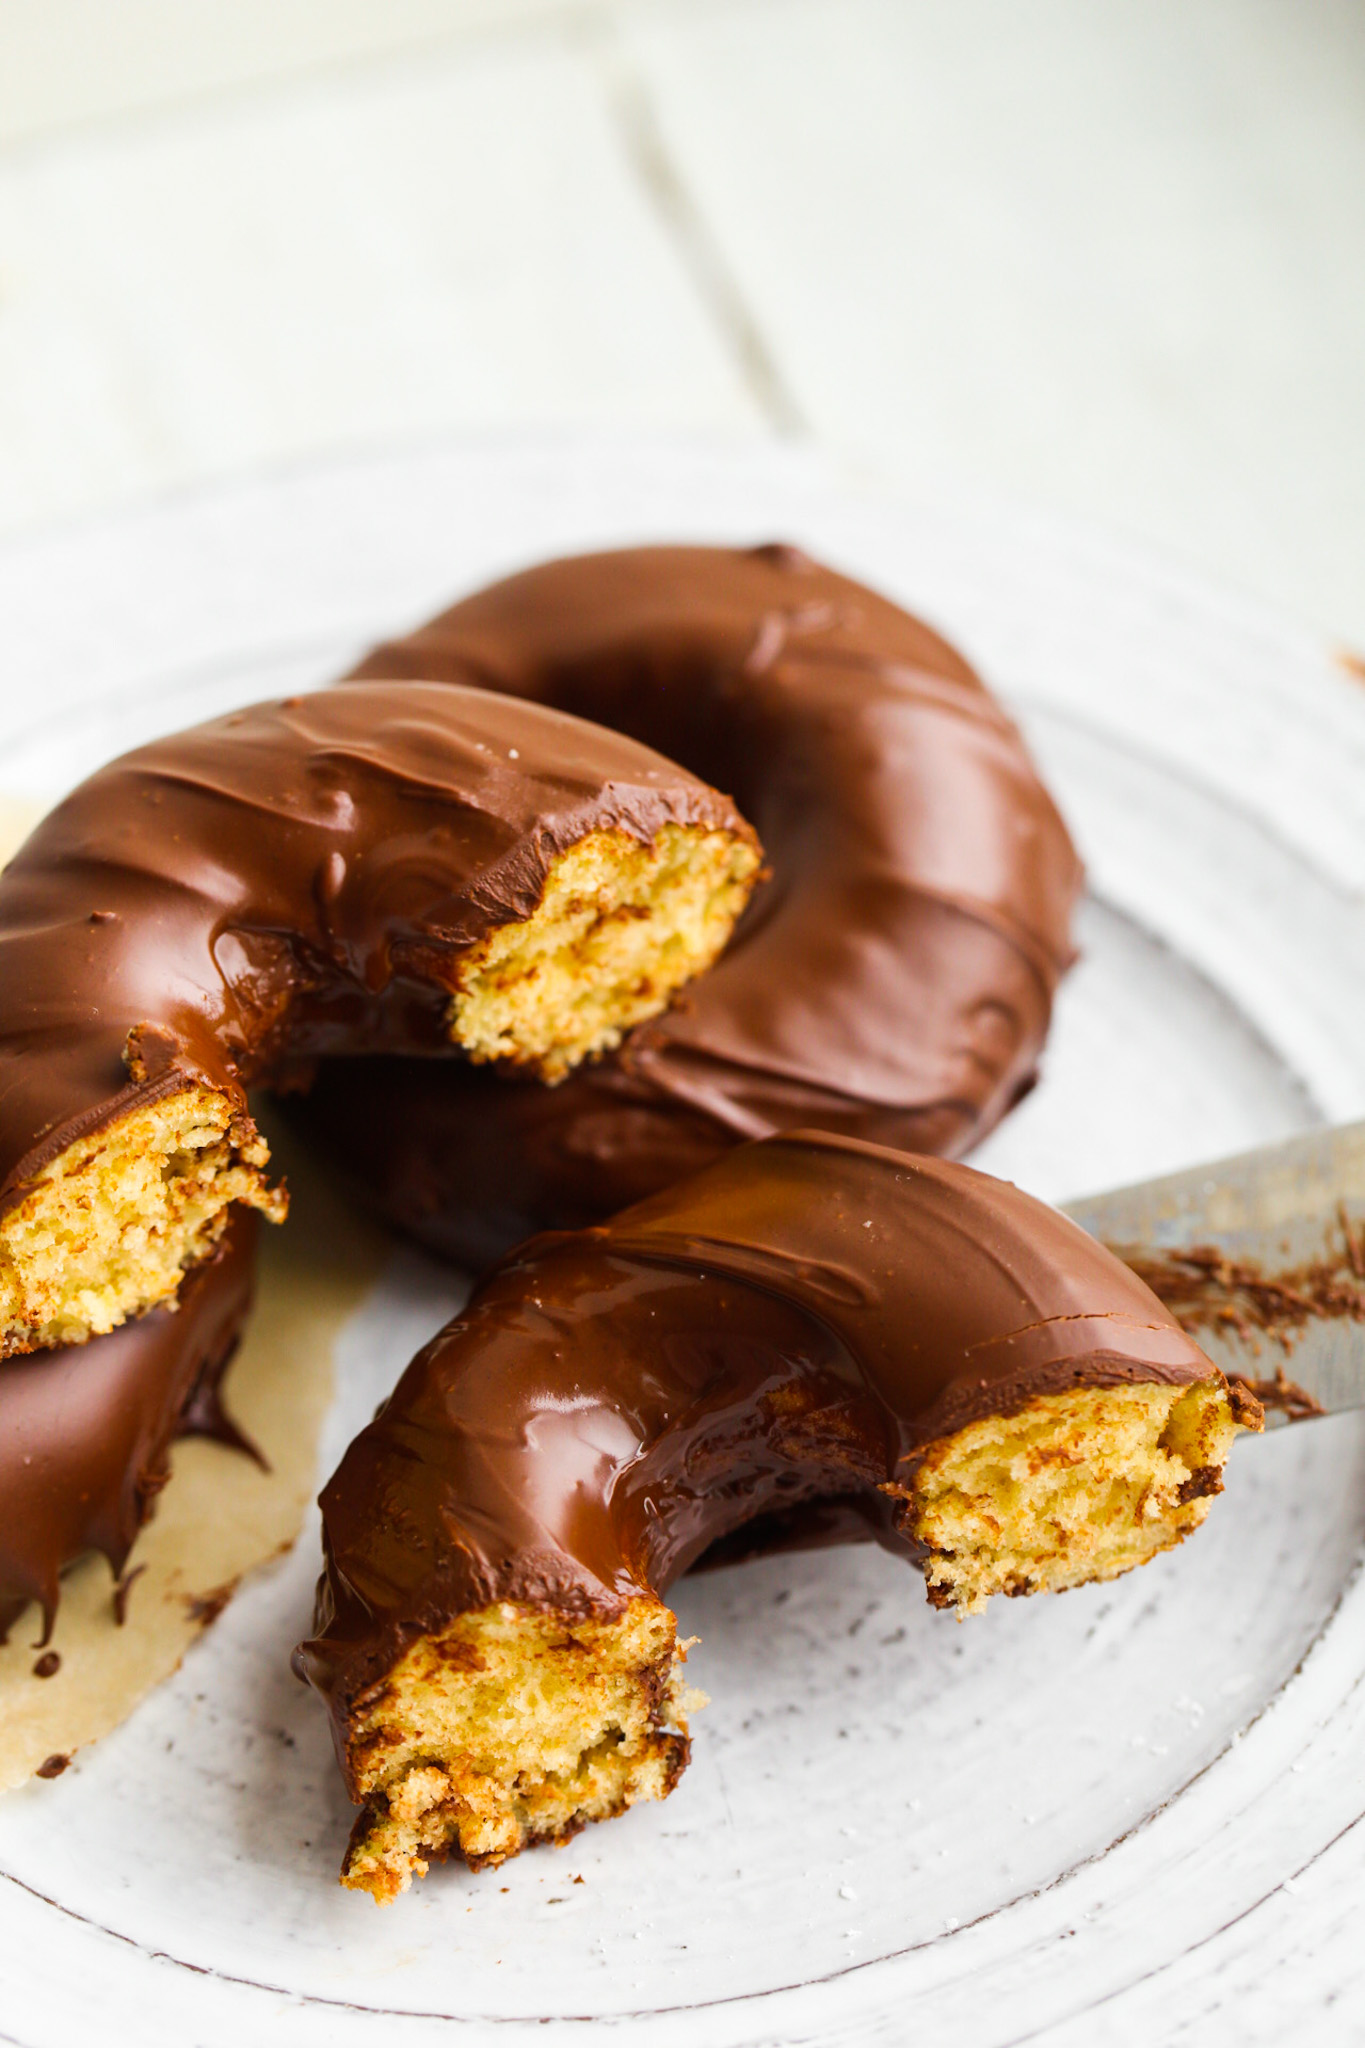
(766, 1346)
(894, 978)
(296, 879)
(85, 1431)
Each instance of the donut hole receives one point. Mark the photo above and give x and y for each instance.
(109, 1226)
(620, 926)
(514, 1726)
(1071, 1487)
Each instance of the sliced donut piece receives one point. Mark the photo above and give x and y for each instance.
(814, 1338)
(408, 867)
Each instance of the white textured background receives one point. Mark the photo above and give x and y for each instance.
(1103, 256)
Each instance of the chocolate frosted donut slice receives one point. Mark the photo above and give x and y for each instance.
(811, 1338)
(86, 1431)
(894, 978)
(403, 867)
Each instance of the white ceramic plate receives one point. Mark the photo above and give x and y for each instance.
(1129, 1814)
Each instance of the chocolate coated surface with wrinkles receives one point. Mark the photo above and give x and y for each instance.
(775, 1338)
(894, 978)
(85, 1430)
(293, 880)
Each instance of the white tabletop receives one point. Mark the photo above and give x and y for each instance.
(1101, 259)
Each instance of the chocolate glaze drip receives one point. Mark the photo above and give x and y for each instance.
(766, 1347)
(291, 880)
(894, 978)
(85, 1431)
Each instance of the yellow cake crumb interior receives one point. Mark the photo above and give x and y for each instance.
(1073, 1487)
(514, 1726)
(110, 1225)
(621, 925)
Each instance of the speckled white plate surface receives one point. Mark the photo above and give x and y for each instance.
(1128, 1815)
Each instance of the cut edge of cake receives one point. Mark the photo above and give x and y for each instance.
(511, 1726)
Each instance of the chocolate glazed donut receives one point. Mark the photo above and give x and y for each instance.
(813, 1332)
(400, 867)
(892, 980)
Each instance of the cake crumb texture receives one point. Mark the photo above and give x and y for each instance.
(514, 1726)
(1072, 1487)
(620, 926)
(108, 1227)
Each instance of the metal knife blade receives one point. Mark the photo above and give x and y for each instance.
(1262, 1258)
